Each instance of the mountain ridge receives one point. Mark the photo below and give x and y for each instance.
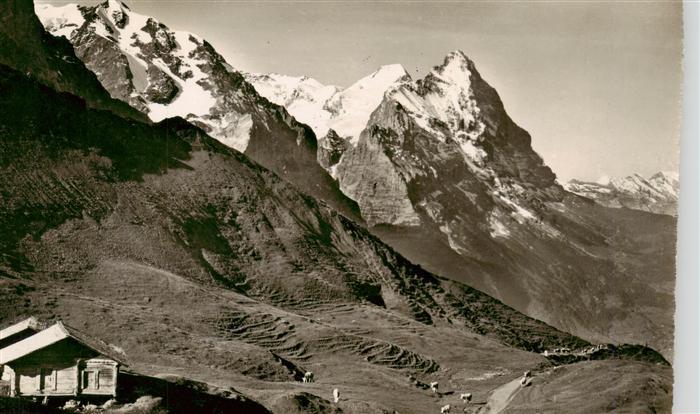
(656, 194)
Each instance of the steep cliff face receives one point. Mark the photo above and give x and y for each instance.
(656, 194)
(166, 73)
(447, 134)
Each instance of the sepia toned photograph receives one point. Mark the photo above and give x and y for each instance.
(390, 207)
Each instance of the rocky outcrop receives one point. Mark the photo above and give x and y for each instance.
(104, 56)
(331, 148)
(161, 89)
(368, 176)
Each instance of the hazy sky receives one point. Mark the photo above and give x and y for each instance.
(597, 84)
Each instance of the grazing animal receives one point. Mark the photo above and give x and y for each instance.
(445, 409)
(523, 381)
(466, 397)
(336, 395)
(308, 377)
(527, 374)
(434, 386)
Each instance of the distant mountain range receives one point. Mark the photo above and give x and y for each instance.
(434, 167)
(656, 194)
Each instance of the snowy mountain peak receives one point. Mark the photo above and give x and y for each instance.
(290, 90)
(455, 61)
(113, 5)
(388, 74)
(455, 70)
(451, 80)
(162, 72)
(326, 107)
(443, 104)
(457, 54)
(352, 107)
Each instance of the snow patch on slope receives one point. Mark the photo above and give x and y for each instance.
(193, 99)
(445, 229)
(60, 20)
(352, 107)
(236, 132)
(303, 97)
(497, 228)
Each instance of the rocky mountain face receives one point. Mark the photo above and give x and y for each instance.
(51, 60)
(656, 194)
(436, 167)
(422, 130)
(165, 73)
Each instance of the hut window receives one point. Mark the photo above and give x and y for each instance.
(90, 380)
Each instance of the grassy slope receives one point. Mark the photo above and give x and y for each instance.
(597, 387)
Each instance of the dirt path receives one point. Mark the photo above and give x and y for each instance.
(500, 398)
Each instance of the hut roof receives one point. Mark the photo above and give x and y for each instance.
(29, 323)
(49, 336)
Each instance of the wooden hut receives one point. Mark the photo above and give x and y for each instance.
(60, 361)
